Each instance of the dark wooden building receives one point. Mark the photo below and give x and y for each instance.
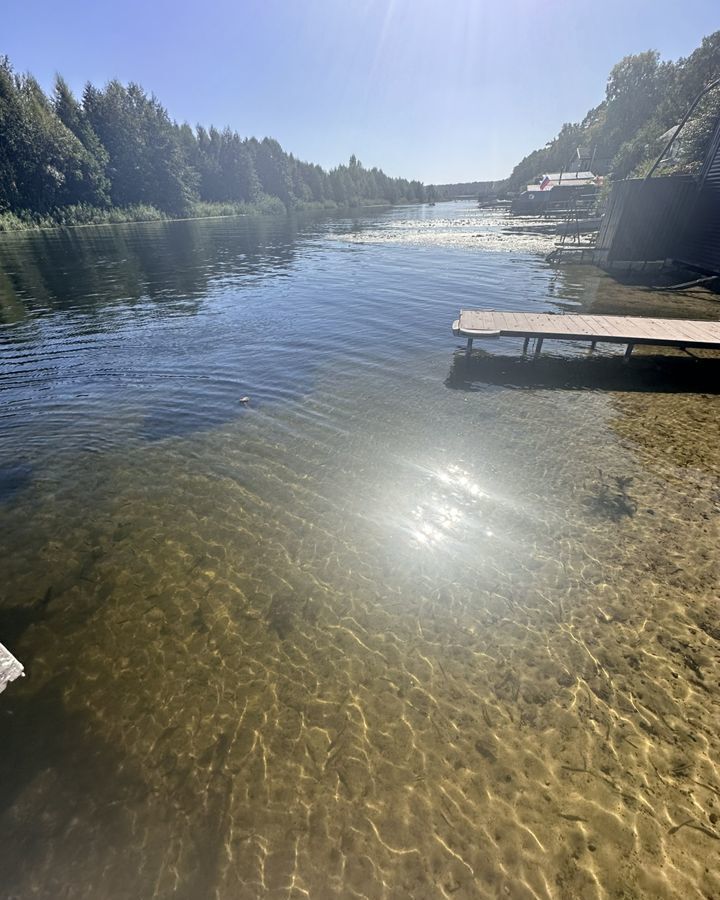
(700, 245)
(670, 219)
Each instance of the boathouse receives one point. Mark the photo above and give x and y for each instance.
(555, 192)
(667, 220)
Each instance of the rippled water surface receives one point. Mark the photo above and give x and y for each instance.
(402, 625)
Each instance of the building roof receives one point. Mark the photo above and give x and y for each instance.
(555, 179)
(571, 176)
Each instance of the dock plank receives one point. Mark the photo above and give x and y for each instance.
(576, 326)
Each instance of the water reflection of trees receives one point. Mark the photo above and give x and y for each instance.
(95, 267)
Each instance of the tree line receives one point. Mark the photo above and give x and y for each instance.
(117, 147)
(462, 189)
(644, 98)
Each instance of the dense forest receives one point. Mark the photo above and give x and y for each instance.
(115, 154)
(644, 98)
(462, 189)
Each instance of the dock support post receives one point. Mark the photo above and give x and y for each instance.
(538, 347)
(628, 351)
(526, 344)
(468, 348)
(592, 345)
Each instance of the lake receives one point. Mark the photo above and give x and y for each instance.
(401, 624)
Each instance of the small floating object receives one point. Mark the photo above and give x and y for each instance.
(244, 400)
(10, 668)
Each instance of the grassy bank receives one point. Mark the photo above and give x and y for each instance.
(84, 214)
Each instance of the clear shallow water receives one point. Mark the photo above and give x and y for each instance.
(402, 626)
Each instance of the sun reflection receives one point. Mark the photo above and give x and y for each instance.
(450, 511)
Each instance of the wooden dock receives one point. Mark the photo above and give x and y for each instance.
(475, 324)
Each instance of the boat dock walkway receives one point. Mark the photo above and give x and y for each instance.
(475, 324)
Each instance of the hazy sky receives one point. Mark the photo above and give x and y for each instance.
(440, 90)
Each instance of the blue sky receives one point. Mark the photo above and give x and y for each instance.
(440, 90)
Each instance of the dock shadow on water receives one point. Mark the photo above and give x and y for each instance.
(656, 374)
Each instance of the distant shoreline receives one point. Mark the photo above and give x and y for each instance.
(12, 223)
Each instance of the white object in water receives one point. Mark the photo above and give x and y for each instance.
(10, 668)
